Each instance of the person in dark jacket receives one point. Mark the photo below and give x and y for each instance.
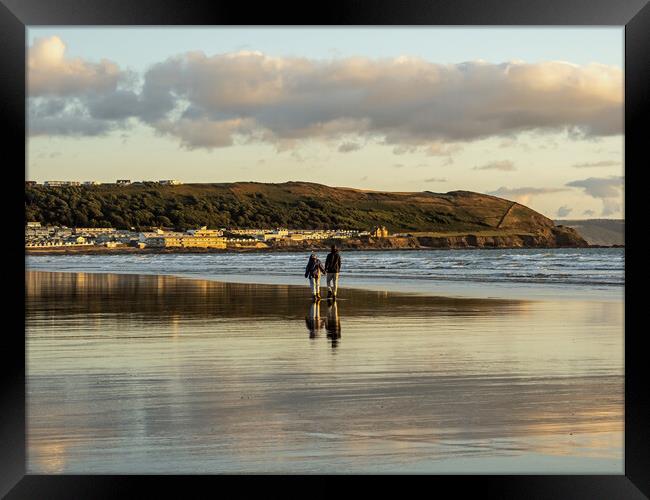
(333, 268)
(313, 271)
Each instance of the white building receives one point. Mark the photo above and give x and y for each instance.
(55, 183)
(278, 234)
(169, 182)
(249, 232)
(94, 230)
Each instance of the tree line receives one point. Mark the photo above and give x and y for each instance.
(149, 206)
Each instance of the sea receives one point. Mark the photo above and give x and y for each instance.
(570, 273)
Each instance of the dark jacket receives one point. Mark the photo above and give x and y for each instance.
(333, 262)
(314, 267)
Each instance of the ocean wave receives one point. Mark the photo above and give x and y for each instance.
(597, 267)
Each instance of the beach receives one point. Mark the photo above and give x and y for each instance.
(467, 182)
(144, 372)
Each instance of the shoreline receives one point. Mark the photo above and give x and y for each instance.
(427, 288)
(141, 251)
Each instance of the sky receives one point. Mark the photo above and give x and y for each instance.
(534, 115)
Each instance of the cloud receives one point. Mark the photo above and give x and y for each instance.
(406, 102)
(607, 189)
(435, 179)
(74, 97)
(563, 211)
(605, 163)
(600, 187)
(116, 105)
(505, 165)
(508, 142)
(50, 117)
(441, 149)
(524, 194)
(203, 133)
(611, 207)
(348, 147)
(51, 73)
(589, 212)
(404, 148)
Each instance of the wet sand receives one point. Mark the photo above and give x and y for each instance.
(158, 374)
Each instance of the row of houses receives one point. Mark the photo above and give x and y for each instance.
(297, 234)
(199, 238)
(47, 236)
(39, 236)
(58, 243)
(59, 239)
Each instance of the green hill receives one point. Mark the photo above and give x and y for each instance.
(297, 205)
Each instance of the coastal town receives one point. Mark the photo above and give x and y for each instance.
(43, 237)
(38, 236)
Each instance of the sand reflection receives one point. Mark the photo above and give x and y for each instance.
(331, 322)
(167, 375)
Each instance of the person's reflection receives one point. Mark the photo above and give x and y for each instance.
(313, 319)
(333, 323)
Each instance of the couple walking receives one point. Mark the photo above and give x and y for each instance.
(332, 268)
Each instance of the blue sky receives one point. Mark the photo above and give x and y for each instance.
(139, 47)
(278, 104)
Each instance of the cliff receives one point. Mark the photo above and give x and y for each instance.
(601, 232)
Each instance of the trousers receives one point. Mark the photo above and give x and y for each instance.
(333, 282)
(314, 283)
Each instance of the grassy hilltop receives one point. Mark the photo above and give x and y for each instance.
(297, 205)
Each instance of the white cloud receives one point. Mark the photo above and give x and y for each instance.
(563, 211)
(415, 105)
(49, 72)
(74, 97)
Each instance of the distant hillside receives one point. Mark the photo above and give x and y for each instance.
(292, 205)
(599, 231)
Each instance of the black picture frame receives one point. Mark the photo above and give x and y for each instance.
(15, 15)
